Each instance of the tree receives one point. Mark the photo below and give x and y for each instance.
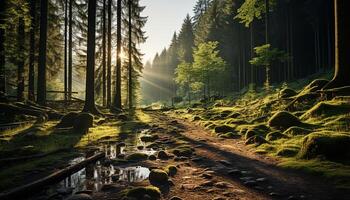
(342, 44)
(31, 71)
(41, 90)
(90, 67)
(117, 98)
(206, 63)
(130, 92)
(186, 41)
(70, 50)
(265, 57)
(184, 77)
(109, 54)
(104, 70)
(20, 60)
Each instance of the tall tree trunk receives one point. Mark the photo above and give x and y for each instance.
(252, 74)
(90, 67)
(2, 48)
(104, 53)
(65, 50)
(20, 60)
(31, 75)
(117, 99)
(70, 51)
(342, 45)
(130, 93)
(267, 68)
(41, 91)
(109, 54)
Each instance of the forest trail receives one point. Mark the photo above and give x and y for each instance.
(227, 169)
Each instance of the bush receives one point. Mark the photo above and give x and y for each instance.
(331, 146)
(283, 120)
(83, 122)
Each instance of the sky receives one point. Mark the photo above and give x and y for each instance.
(164, 17)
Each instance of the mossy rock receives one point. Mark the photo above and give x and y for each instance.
(284, 120)
(251, 132)
(224, 129)
(229, 135)
(83, 122)
(326, 109)
(158, 177)
(287, 92)
(276, 135)
(257, 140)
(185, 151)
(196, 118)
(163, 155)
(295, 130)
(171, 170)
(67, 120)
(141, 192)
(332, 146)
(287, 152)
(237, 122)
(149, 138)
(137, 157)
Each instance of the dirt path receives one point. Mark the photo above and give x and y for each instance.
(227, 169)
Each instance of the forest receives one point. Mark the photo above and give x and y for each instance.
(250, 99)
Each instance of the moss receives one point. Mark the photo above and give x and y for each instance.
(224, 129)
(295, 130)
(171, 170)
(250, 133)
(275, 136)
(257, 140)
(158, 177)
(283, 120)
(137, 157)
(287, 92)
(326, 109)
(141, 192)
(332, 146)
(287, 152)
(229, 135)
(183, 151)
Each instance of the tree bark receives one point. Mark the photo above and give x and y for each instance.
(130, 92)
(70, 51)
(31, 75)
(117, 100)
(20, 60)
(90, 67)
(342, 46)
(65, 50)
(104, 53)
(2, 48)
(41, 91)
(109, 54)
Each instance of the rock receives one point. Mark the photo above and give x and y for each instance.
(83, 122)
(275, 136)
(224, 129)
(80, 197)
(149, 138)
(152, 157)
(287, 92)
(330, 145)
(257, 140)
(250, 133)
(196, 118)
(284, 120)
(158, 177)
(183, 151)
(163, 155)
(137, 157)
(67, 120)
(176, 198)
(171, 170)
(141, 192)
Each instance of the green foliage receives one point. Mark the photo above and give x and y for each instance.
(250, 10)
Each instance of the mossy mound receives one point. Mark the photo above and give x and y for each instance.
(185, 151)
(137, 157)
(257, 140)
(284, 120)
(83, 122)
(171, 170)
(331, 146)
(287, 92)
(149, 138)
(67, 120)
(276, 135)
(229, 135)
(296, 130)
(251, 132)
(141, 192)
(326, 109)
(158, 177)
(224, 129)
(287, 152)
